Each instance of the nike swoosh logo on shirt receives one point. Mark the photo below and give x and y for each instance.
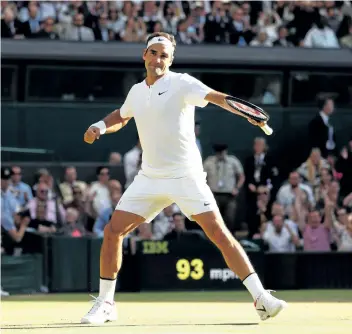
(162, 93)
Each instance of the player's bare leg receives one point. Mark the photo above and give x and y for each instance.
(120, 225)
(238, 261)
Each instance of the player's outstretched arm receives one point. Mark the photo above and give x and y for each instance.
(219, 99)
(111, 123)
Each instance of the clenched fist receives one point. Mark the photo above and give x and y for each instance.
(91, 134)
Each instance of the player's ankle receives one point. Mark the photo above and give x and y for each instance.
(253, 285)
(107, 289)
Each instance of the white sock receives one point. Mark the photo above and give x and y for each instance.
(254, 285)
(107, 289)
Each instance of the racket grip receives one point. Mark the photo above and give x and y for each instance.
(267, 129)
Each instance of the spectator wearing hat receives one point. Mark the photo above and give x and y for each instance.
(9, 209)
(225, 178)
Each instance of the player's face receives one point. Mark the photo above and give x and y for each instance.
(158, 58)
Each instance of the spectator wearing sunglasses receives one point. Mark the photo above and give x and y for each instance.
(21, 191)
(54, 211)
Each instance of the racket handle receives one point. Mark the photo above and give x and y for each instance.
(267, 129)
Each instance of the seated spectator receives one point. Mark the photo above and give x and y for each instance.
(163, 223)
(288, 191)
(101, 31)
(44, 176)
(269, 22)
(344, 235)
(261, 40)
(11, 27)
(115, 185)
(134, 30)
(132, 163)
(115, 21)
(320, 36)
(71, 182)
(76, 31)
(47, 32)
(55, 212)
(99, 190)
(115, 159)
(179, 229)
(9, 207)
(40, 222)
(104, 217)
(144, 232)
(323, 187)
(279, 236)
(32, 25)
(240, 31)
(170, 18)
(310, 170)
(21, 191)
(282, 40)
(84, 207)
(259, 214)
(72, 227)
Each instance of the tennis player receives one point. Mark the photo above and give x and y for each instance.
(172, 172)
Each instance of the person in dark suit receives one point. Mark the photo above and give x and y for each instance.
(260, 170)
(321, 132)
(10, 26)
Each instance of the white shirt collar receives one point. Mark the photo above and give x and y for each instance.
(324, 117)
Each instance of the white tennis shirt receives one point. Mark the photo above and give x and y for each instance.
(164, 115)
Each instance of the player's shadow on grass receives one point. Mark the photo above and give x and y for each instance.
(73, 325)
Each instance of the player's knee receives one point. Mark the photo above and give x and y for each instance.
(220, 236)
(112, 229)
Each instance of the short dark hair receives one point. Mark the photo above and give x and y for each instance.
(177, 214)
(170, 37)
(100, 168)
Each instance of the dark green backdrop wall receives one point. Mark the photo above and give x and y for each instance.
(60, 127)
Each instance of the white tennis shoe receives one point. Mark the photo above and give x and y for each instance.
(101, 312)
(268, 306)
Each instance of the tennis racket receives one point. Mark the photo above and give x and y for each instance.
(250, 110)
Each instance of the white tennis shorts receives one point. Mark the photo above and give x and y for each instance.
(147, 197)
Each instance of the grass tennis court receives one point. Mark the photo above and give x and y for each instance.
(309, 312)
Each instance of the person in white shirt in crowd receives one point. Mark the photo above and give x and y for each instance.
(131, 163)
(287, 194)
(261, 40)
(163, 107)
(270, 22)
(343, 233)
(76, 31)
(99, 190)
(163, 222)
(279, 236)
(320, 36)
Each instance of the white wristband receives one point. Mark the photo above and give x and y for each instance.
(101, 126)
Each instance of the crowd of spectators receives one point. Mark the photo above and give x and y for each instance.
(322, 24)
